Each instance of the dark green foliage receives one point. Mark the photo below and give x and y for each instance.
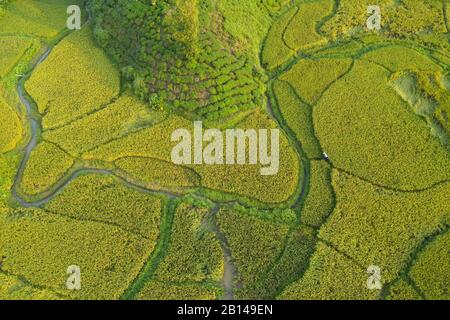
(170, 57)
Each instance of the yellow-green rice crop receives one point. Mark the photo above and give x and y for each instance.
(194, 253)
(153, 142)
(379, 227)
(292, 263)
(104, 199)
(11, 49)
(157, 174)
(156, 290)
(254, 244)
(398, 58)
(109, 258)
(366, 129)
(402, 290)
(311, 77)
(42, 18)
(430, 270)
(320, 200)
(302, 30)
(45, 167)
(330, 275)
(245, 180)
(14, 288)
(77, 78)
(11, 127)
(121, 117)
(298, 117)
(409, 19)
(275, 51)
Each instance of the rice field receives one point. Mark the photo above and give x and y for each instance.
(86, 171)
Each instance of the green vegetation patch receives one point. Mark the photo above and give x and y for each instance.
(247, 24)
(184, 57)
(427, 95)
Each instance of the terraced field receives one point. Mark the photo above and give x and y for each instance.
(87, 178)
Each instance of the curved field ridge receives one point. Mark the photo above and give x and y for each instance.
(11, 127)
(363, 178)
(83, 79)
(380, 227)
(369, 131)
(429, 272)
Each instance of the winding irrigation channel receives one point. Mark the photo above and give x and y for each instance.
(34, 131)
(35, 128)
